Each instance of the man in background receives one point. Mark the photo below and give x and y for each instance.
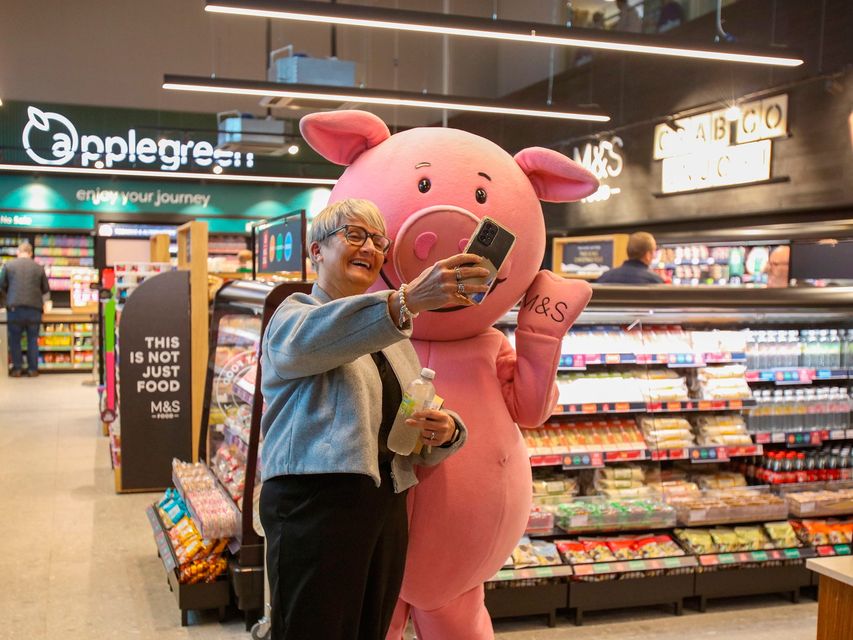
(777, 266)
(25, 284)
(635, 270)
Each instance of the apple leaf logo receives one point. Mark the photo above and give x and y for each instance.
(64, 141)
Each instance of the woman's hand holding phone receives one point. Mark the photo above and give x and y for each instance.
(447, 282)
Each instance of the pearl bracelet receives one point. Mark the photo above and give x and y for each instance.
(405, 314)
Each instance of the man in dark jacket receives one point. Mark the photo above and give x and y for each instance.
(635, 270)
(25, 284)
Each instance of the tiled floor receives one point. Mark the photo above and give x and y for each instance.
(79, 561)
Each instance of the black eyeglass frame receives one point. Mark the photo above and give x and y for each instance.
(372, 236)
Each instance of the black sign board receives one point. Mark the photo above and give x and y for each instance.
(595, 256)
(155, 401)
(825, 260)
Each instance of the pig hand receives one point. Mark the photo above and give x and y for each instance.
(552, 304)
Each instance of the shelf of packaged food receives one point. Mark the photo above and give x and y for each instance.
(67, 367)
(530, 573)
(707, 454)
(704, 516)
(161, 538)
(597, 459)
(234, 527)
(674, 406)
(812, 438)
(55, 348)
(630, 566)
(796, 375)
(580, 361)
(751, 557)
(76, 334)
(833, 550)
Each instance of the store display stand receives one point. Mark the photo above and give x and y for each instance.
(786, 579)
(562, 446)
(632, 592)
(190, 597)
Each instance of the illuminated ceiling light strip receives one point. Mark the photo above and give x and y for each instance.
(475, 27)
(368, 96)
(181, 175)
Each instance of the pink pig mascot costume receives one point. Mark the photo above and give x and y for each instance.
(433, 185)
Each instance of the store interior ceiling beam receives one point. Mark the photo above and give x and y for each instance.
(165, 175)
(510, 30)
(338, 95)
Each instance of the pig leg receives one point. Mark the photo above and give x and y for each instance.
(399, 620)
(463, 618)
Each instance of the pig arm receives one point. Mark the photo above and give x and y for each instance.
(548, 309)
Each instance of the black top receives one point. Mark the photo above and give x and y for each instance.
(392, 396)
(24, 282)
(631, 272)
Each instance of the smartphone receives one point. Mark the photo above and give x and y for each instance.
(493, 242)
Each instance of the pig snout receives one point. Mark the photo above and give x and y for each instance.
(430, 235)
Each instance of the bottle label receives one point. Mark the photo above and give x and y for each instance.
(409, 405)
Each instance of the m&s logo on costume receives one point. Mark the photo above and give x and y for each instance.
(52, 139)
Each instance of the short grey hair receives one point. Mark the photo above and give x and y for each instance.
(338, 214)
(25, 247)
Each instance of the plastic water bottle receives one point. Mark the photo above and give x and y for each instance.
(417, 397)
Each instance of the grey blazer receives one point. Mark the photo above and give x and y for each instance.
(323, 392)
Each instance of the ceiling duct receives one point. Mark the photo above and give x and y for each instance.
(287, 67)
(245, 133)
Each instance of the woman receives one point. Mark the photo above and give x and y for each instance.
(334, 363)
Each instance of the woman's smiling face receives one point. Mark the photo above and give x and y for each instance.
(346, 269)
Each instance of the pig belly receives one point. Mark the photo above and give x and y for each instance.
(467, 513)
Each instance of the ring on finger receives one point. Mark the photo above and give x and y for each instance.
(460, 288)
(458, 274)
(432, 435)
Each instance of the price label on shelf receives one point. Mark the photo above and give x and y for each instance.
(708, 454)
(727, 558)
(759, 556)
(578, 521)
(792, 554)
(583, 460)
(601, 568)
(842, 549)
(671, 563)
(636, 565)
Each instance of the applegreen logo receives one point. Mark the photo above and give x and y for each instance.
(64, 136)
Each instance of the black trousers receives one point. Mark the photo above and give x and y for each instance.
(336, 551)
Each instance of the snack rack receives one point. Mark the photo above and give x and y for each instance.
(230, 441)
(688, 407)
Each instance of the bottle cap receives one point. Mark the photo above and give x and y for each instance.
(429, 374)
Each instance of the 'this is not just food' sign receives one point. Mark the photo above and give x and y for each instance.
(155, 401)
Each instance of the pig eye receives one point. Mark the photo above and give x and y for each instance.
(424, 185)
(481, 195)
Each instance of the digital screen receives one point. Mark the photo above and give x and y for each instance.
(279, 244)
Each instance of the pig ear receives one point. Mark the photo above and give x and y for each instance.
(342, 136)
(554, 177)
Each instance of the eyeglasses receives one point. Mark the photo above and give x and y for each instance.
(357, 237)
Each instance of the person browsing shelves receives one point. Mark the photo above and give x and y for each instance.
(635, 270)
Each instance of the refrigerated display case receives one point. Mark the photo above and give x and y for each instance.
(231, 428)
(694, 413)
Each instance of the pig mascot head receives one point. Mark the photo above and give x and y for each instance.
(433, 186)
